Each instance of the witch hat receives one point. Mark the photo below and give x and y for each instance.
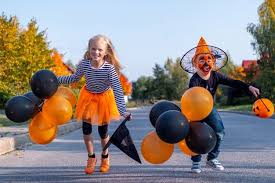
(122, 139)
(187, 61)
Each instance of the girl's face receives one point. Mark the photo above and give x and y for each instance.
(98, 50)
(205, 62)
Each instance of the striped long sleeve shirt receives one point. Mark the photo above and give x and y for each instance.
(98, 80)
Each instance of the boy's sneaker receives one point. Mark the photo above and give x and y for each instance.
(90, 168)
(214, 164)
(196, 168)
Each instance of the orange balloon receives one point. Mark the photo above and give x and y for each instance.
(196, 103)
(57, 109)
(263, 108)
(42, 130)
(185, 149)
(154, 150)
(67, 93)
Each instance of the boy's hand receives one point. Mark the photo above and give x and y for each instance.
(126, 114)
(255, 91)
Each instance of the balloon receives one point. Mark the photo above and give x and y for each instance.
(196, 103)
(201, 138)
(159, 108)
(44, 84)
(41, 130)
(172, 126)
(20, 109)
(67, 93)
(154, 150)
(185, 149)
(37, 101)
(263, 108)
(57, 109)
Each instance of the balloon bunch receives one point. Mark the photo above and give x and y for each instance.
(48, 105)
(181, 126)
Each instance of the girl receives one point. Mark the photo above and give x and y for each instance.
(101, 99)
(204, 63)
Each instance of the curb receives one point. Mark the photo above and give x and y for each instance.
(8, 144)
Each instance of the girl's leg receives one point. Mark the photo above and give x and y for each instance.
(103, 133)
(91, 162)
(88, 139)
(105, 160)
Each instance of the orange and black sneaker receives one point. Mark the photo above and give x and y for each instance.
(90, 168)
(105, 165)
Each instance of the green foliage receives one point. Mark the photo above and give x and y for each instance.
(22, 53)
(229, 67)
(168, 82)
(264, 45)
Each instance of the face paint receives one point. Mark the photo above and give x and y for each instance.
(205, 63)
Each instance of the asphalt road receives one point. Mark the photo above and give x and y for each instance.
(247, 153)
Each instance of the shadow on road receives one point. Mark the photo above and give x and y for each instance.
(162, 173)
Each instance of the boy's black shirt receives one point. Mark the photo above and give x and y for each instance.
(215, 79)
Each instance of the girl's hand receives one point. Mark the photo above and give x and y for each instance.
(255, 91)
(126, 114)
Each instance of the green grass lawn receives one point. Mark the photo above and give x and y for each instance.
(4, 121)
(244, 108)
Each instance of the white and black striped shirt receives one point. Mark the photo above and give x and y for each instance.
(98, 80)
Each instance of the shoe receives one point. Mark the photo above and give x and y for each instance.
(196, 168)
(105, 165)
(90, 168)
(215, 164)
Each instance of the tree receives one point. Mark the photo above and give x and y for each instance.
(22, 53)
(142, 88)
(160, 82)
(264, 45)
(266, 11)
(168, 82)
(60, 68)
(229, 96)
(178, 79)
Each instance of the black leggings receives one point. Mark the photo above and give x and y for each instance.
(102, 130)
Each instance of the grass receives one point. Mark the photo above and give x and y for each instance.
(4, 121)
(243, 108)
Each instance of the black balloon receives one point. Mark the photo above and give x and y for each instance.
(37, 101)
(20, 109)
(159, 108)
(44, 84)
(172, 126)
(201, 138)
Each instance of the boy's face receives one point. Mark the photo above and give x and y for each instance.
(205, 62)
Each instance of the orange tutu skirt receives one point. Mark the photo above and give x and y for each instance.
(96, 108)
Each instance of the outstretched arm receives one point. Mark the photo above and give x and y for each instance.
(74, 77)
(119, 97)
(237, 84)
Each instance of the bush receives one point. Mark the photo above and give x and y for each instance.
(4, 97)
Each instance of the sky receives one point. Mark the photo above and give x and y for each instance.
(144, 32)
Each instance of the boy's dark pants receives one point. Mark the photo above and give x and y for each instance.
(213, 120)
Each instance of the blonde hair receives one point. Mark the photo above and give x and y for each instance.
(110, 56)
